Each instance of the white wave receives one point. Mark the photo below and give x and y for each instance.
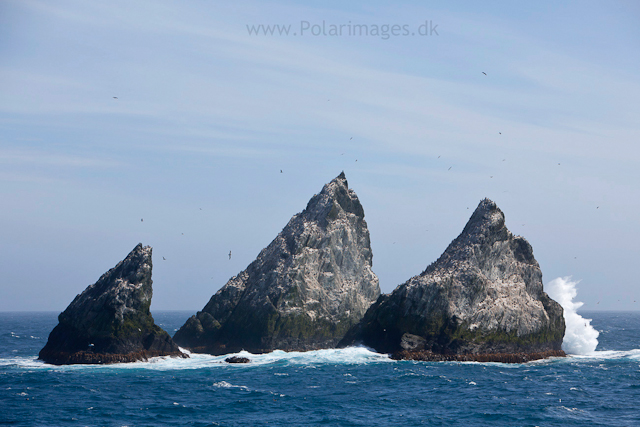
(579, 337)
(609, 355)
(349, 355)
(224, 384)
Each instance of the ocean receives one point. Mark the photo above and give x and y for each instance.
(348, 387)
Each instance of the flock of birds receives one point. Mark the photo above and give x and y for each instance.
(351, 138)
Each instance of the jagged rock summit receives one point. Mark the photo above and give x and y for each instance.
(110, 321)
(482, 300)
(303, 291)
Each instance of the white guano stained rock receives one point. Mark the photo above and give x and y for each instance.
(303, 290)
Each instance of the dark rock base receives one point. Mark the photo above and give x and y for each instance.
(428, 356)
(90, 358)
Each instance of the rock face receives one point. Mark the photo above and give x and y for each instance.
(303, 292)
(483, 300)
(110, 321)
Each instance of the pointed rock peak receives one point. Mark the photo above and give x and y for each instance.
(338, 183)
(335, 196)
(139, 252)
(139, 249)
(134, 270)
(486, 218)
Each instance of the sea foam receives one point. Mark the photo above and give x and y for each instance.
(277, 358)
(580, 337)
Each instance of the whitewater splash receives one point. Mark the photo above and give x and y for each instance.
(580, 337)
(277, 358)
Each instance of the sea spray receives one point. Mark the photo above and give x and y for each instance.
(580, 337)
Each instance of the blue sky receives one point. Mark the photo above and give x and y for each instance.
(207, 115)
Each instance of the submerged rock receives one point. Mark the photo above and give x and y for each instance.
(303, 292)
(482, 300)
(110, 321)
(237, 359)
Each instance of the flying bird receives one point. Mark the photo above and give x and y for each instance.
(141, 219)
(484, 73)
(115, 97)
(280, 170)
(449, 168)
(350, 138)
(229, 254)
(500, 133)
(164, 259)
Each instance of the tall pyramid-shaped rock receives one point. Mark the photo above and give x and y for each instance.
(303, 292)
(110, 321)
(482, 300)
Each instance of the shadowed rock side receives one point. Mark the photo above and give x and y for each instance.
(303, 292)
(110, 321)
(482, 300)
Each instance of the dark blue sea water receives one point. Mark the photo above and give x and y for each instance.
(350, 387)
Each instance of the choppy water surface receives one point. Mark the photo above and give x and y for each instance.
(349, 387)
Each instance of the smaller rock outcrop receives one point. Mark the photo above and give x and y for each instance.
(237, 359)
(110, 321)
(482, 300)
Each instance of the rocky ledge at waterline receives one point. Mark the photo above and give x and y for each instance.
(303, 292)
(110, 321)
(482, 300)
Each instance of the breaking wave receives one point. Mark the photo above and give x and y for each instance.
(580, 338)
(344, 356)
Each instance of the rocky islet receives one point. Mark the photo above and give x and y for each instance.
(483, 300)
(110, 321)
(304, 290)
(312, 287)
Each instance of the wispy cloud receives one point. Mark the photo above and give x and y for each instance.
(15, 157)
